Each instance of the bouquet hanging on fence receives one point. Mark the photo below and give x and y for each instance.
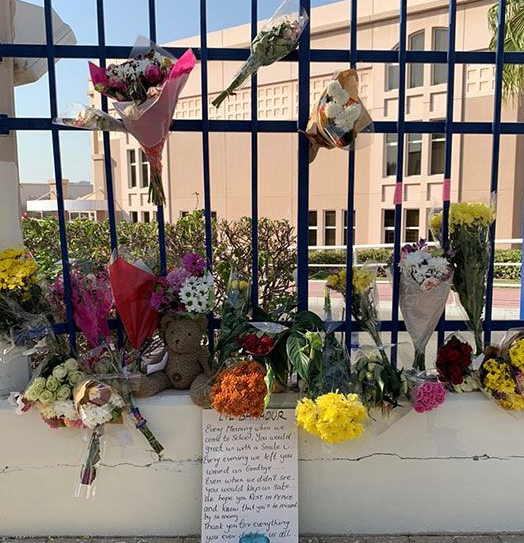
(278, 37)
(185, 291)
(145, 90)
(338, 116)
(469, 239)
(364, 301)
(454, 365)
(425, 282)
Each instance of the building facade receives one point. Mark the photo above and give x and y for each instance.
(376, 154)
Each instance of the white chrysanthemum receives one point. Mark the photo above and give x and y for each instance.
(66, 409)
(347, 119)
(333, 110)
(416, 258)
(337, 92)
(93, 415)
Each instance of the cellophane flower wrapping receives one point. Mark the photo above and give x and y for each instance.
(145, 90)
(469, 240)
(425, 392)
(278, 37)
(338, 116)
(454, 365)
(89, 118)
(425, 282)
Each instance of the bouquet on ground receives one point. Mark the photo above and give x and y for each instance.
(425, 282)
(364, 302)
(278, 37)
(23, 308)
(498, 380)
(469, 239)
(426, 393)
(454, 365)
(145, 90)
(185, 291)
(338, 116)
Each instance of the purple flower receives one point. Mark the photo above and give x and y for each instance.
(176, 278)
(158, 299)
(194, 263)
(153, 74)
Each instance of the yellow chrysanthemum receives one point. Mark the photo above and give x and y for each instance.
(516, 354)
(362, 279)
(465, 214)
(332, 417)
(498, 377)
(16, 270)
(512, 402)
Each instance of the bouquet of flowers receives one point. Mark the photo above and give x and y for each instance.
(92, 301)
(185, 291)
(338, 116)
(145, 90)
(454, 365)
(278, 37)
(498, 381)
(469, 239)
(425, 393)
(425, 282)
(333, 417)
(363, 302)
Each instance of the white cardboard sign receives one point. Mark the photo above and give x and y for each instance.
(249, 477)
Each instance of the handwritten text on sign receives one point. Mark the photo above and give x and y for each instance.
(249, 477)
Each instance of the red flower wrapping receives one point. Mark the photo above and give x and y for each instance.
(255, 345)
(453, 360)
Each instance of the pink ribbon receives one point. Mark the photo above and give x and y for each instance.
(446, 190)
(397, 198)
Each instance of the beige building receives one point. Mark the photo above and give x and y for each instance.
(376, 153)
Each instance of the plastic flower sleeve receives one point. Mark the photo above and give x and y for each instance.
(89, 118)
(454, 365)
(338, 116)
(93, 458)
(425, 392)
(278, 37)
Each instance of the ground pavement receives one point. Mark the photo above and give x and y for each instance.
(444, 538)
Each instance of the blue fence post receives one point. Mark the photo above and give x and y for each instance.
(254, 166)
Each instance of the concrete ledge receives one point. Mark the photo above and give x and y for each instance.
(459, 469)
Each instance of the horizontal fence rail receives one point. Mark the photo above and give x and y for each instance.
(304, 56)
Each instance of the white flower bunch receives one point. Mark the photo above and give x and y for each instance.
(427, 270)
(95, 415)
(66, 409)
(341, 113)
(197, 294)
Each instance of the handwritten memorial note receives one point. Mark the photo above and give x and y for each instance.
(250, 477)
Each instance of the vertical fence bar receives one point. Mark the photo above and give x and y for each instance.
(254, 165)
(110, 196)
(303, 163)
(48, 14)
(351, 188)
(160, 209)
(399, 176)
(495, 156)
(446, 186)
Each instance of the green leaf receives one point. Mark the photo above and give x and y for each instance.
(295, 347)
(269, 379)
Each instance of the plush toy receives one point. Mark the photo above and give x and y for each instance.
(187, 357)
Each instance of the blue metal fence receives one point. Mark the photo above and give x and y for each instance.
(304, 56)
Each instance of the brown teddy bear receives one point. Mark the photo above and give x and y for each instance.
(187, 357)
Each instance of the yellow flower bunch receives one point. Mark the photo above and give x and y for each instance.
(512, 402)
(465, 214)
(362, 280)
(16, 270)
(516, 354)
(332, 417)
(498, 377)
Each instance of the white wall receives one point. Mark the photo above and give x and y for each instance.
(458, 469)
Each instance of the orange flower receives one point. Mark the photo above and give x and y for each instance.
(240, 390)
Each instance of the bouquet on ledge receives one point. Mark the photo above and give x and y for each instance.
(469, 239)
(278, 37)
(454, 365)
(425, 282)
(364, 302)
(185, 291)
(498, 380)
(426, 393)
(145, 90)
(338, 116)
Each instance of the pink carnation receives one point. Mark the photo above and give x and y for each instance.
(427, 396)
(176, 278)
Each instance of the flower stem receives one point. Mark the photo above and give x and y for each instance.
(419, 362)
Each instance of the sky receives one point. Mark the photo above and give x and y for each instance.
(125, 20)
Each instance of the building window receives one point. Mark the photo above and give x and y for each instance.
(439, 72)
(145, 169)
(416, 71)
(388, 220)
(392, 75)
(330, 227)
(146, 216)
(213, 215)
(183, 214)
(345, 227)
(411, 229)
(391, 154)
(438, 148)
(414, 154)
(131, 160)
(312, 228)
(134, 216)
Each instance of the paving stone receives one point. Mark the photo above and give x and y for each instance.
(486, 538)
(342, 539)
(511, 538)
(433, 539)
(387, 539)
